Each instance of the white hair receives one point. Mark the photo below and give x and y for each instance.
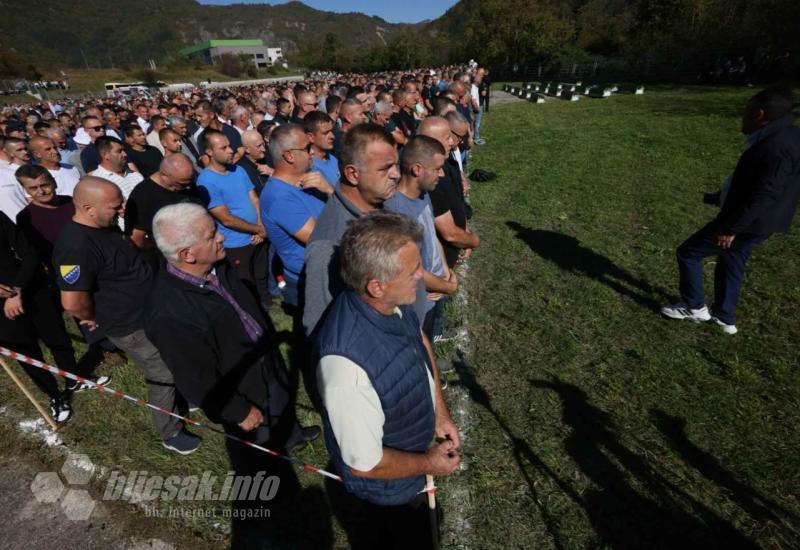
(174, 228)
(382, 107)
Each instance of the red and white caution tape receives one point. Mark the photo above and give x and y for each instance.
(44, 366)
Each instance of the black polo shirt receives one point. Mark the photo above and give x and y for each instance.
(104, 263)
(448, 197)
(251, 169)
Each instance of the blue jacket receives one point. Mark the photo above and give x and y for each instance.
(390, 350)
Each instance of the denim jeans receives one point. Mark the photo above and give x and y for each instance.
(728, 274)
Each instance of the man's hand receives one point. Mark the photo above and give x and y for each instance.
(91, 324)
(435, 296)
(724, 241)
(264, 169)
(464, 254)
(447, 430)
(443, 459)
(253, 420)
(256, 239)
(13, 307)
(315, 180)
(262, 232)
(6, 292)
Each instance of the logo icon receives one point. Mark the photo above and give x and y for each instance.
(77, 504)
(70, 273)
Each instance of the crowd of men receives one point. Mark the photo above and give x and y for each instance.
(170, 226)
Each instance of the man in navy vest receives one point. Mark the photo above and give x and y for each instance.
(382, 403)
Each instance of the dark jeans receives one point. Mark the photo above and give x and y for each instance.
(370, 526)
(728, 274)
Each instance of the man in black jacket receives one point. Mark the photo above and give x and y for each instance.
(212, 335)
(760, 200)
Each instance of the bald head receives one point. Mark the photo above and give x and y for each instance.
(251, 137)
(92, 190)
(176, 165)
(438, 128)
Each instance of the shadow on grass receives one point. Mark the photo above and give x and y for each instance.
(567, 253)
(622, 516)
(748, 499)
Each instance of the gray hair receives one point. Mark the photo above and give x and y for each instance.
(454, 117)
(238, 112)
(283, 138)
(174, 228)
(382, 107)
(175, 118)
(370, 247)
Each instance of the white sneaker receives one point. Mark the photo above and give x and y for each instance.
(726, 328)
(682, 311)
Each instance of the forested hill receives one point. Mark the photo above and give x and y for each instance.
(128, 32)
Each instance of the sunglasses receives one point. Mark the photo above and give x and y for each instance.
(96, 128)
(307, 148)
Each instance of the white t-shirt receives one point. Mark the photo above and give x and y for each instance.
(67, 177)
(12, 198)
(126, 183)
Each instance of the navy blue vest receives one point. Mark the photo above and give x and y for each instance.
(390, 351)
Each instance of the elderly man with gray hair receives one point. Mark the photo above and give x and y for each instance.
(212, 334)
(382, 402)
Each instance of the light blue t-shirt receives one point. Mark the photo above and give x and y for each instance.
(285, 209)
(232, 190)
(328, 168)
(421, 211)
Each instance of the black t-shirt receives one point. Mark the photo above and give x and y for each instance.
(104, 263)
(42, 225)
(147, 198)
(147, 161)
(405, 121)
(256, 178)
(448, 197)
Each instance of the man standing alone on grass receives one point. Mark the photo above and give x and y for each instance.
(382, 402)
(760, 200)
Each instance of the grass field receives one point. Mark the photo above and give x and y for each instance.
(600, 423)
(596, 423)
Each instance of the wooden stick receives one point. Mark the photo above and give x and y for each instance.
(432, 509)
(28, 394)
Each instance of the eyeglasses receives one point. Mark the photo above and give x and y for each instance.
(96, 128)
(307, 149)
(459, 136)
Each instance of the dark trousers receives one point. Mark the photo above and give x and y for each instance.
(370, 526)
(728, 274)
(252, 267)
(432, 324)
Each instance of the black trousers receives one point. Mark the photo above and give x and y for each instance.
(45, 322)
(252, 267)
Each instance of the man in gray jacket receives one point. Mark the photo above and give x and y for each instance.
(369, 173)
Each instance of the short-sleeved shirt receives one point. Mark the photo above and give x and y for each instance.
(67, 177)
(147, 161)
(104, 263)
(231, 189)
(42, 225)
(421, 211)
(447, 197)
(230, 132)
(12, 198)
(285, 209)
(147, 198)
(328, 168)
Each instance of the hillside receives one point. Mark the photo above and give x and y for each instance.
(128, 32)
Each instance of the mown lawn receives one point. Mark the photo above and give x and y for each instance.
(600, 424)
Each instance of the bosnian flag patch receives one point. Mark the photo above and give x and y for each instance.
(70, 273)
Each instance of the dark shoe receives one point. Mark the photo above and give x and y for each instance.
(60, 409)
(75, 387)
(302, 436)
(183, 442)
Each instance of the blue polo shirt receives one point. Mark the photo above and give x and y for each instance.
(285, 209)
(328, 168)
(232, 190)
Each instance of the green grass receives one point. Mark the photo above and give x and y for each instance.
(598, 422)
